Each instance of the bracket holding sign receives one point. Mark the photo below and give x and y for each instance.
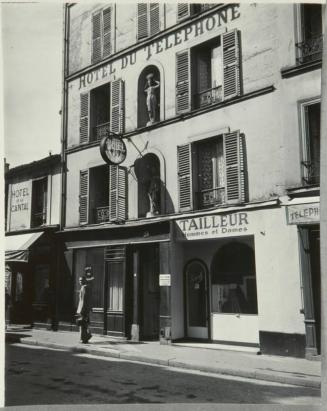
(113, 149)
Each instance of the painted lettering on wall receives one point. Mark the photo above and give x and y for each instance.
(213, 226)
(303, 213)
(198, 28)
(20, 205)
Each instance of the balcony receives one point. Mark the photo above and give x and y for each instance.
(100, 131)
(38, 219)
(208, 97)
(311, 172)
(310, 50)
(210, 197)
(101, 215)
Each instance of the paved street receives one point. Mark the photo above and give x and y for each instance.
(36, 375)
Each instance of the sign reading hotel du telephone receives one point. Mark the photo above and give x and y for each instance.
(213, 226)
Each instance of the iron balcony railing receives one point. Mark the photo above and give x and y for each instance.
(207, 97)
(311, 174)
(310, 50)
(100, 131)
(210, 197)
(101, 214)
(39, 219)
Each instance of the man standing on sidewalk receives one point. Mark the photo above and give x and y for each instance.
(84, 305)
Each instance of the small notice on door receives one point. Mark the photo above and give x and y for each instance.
(164, 280)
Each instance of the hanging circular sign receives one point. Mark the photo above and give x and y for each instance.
(113, 149)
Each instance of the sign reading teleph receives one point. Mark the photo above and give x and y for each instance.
(213, 226)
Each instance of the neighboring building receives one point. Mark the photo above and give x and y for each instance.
(32, 219)
(210, 227)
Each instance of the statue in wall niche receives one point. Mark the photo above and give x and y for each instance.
(151, 98)
(154, 196)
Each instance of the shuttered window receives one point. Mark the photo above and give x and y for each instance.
(213, 68)
(117, 114)
(84, 118)
(183, 10)
(117, 193)
(183, 81)
(102, 34)
(83, 196)
(234, 167)
(231, 64)
(184, 166)
(218, 164)
(148, 20)
(96, 38)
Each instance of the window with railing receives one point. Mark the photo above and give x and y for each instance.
(99, 112)
(99, 194)
(207, 76)
(309, 47)
(39, 202)
(311, 143)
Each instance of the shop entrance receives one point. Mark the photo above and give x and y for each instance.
(310, 261)
(149, 292)
(196, 293)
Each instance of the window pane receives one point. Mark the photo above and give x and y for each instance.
(233, 280)
(116, 286)
(313, 127)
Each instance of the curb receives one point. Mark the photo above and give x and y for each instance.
(251, 374)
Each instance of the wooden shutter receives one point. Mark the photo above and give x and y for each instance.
(84, 118)
(154, 18)
(183, 95)
(234, 167)
(96, 37)
(142, 21)
(231, 64)
(83, 196)
(117, 193)
(107, 31)
(184, 169)
(183, 10)
(117, 106)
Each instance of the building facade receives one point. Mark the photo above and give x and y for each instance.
(209, 228)
(32, 219)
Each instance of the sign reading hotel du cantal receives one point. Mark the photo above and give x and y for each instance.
(213, 226)
(20, 205)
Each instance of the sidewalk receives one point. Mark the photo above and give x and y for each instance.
(296, 371)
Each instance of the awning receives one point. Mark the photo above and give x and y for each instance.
(17, 246)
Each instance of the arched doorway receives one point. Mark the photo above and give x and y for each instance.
(148, 98)
(147, 170)
(196, 299)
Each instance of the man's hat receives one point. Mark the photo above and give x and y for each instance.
(88, 274)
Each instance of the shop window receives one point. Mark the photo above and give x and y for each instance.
(208, 73)
(189, 9)
(102, 110)
(309, 47)
(92, 257)
(148, 19)
(310, 113)
(103, 195)
(147, 170)
(211, 172)
(103, 27)
(148, 103)
(115, 284)
(39, 202)
(233, 280)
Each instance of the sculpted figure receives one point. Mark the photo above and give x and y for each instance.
(151, 99)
